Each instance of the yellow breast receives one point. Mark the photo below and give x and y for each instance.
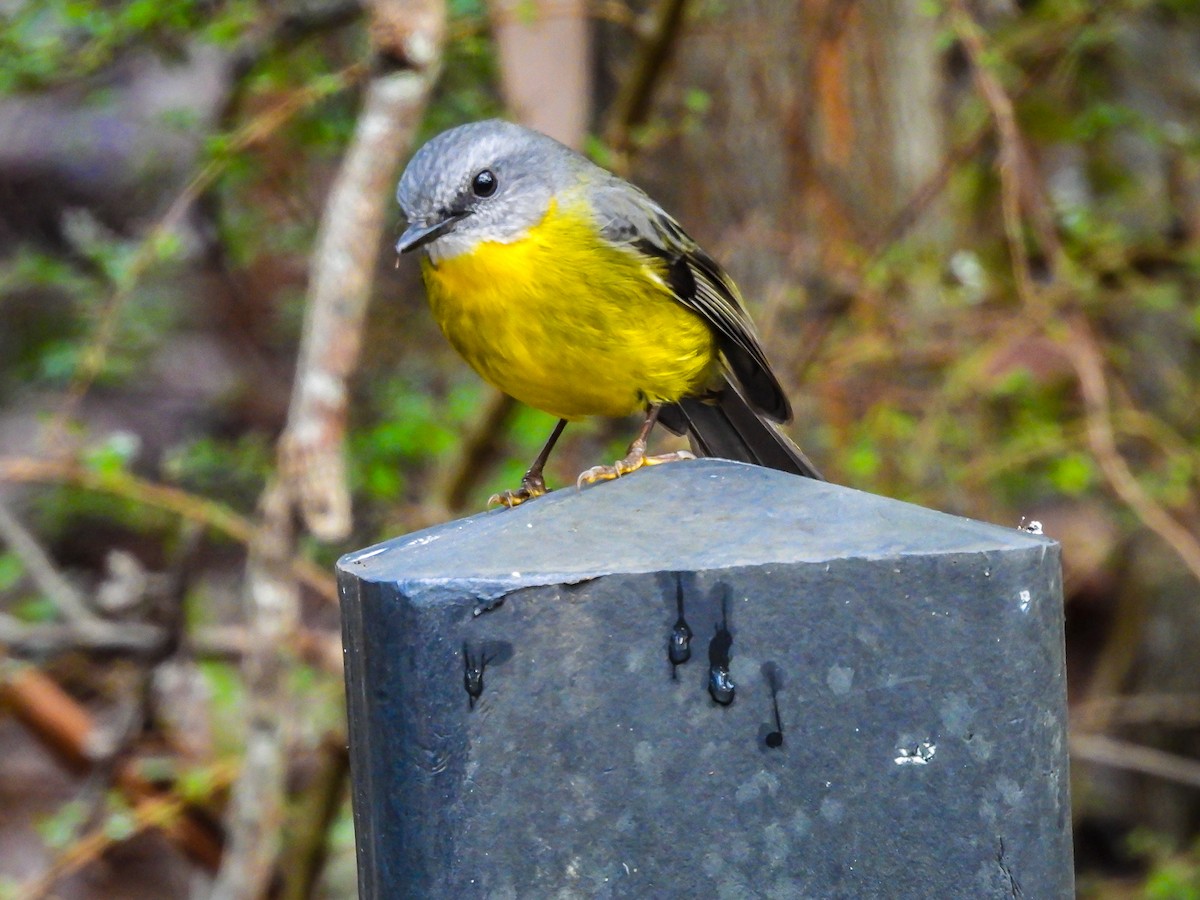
(570, 324)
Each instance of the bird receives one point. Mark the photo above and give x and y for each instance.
(572, 291)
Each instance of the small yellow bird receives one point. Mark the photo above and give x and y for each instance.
(571, 290)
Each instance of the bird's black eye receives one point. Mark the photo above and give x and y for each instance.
(484, 184)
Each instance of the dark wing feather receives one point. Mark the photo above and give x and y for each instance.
(723, 425)
(630, 217)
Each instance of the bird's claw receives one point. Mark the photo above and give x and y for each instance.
(532, 486)
(635, 460)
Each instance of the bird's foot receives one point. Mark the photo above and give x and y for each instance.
(635, 459)
(532, 485)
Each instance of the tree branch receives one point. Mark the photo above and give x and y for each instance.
(311, 452)
(210, 513)
(407, 36)
(42, 569)
(69, 731)
(1106, 751)
(94, 355)
(1076, 338)
(304, 858)
(92, 635)
(632, 104)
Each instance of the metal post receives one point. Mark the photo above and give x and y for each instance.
(708, 679)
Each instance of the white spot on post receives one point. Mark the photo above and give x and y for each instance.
(920, 755)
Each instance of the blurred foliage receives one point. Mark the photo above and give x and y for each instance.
(936, 386)
(1174, 875)
(1170, 872)
(61, 41)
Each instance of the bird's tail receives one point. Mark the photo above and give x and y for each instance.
(724, 425)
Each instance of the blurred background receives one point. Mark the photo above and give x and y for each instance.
(969, 231)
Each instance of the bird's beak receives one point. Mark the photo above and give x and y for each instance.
(419, 235)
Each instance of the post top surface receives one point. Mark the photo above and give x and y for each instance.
(706, 514)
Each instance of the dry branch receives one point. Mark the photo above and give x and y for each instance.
(95, 354)
(311, 452)
(167, 813)
(41, 568)
(70, 733)
(194, 508)
(1089, 368)
(407, 39)
(273, 613)
(93, 635)
(1019, 196)
(1178, 710)
(631, 107)
(83, 628)
(1106, 751)
(305, 855)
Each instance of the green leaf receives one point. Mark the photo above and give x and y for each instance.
(114, 455)
(697, 101)
(863, 462)
(120, 824)
(1174, 881)
(12, 570)
(196, 785)
(37, 609)
(1073, 473)
(61, 828)
(58, 361)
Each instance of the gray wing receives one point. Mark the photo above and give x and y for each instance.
(628, 216)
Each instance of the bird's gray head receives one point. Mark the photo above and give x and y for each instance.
(488, 180)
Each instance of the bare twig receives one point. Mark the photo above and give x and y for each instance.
(62, 726)
(1076, 338)
(162, 812)
(1102, 750)
(1085, 357)
(69, 731)
(1181, 710)
(210, 513)
(1012, 157)
(347, 248)
(41, 568)
(94, 635)
(83, 630)
(407, 36)
(94, 355)
(320, 649)
(632, 104)
(257, 804)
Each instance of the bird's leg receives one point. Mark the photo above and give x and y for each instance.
(636, 457)
(532, 483)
